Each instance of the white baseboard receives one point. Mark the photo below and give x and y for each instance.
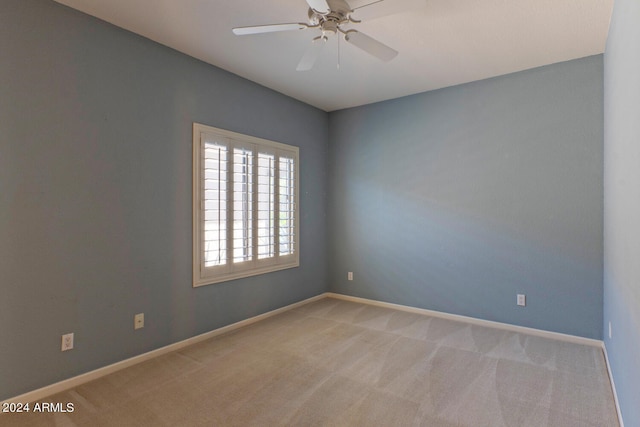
(613, 385)
(63, 385)
(473, 320)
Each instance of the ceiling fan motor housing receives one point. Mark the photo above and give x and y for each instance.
(330, 21)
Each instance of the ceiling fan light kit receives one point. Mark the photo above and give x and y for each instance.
(328, 16)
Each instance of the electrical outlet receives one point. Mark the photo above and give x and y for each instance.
(521, 300)
(67, 342)
(138, 321)
(350, 275)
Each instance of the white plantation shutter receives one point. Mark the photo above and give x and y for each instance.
(215, 204)
(266, 205)
(287, 206)
(245, 205)
(242, 205)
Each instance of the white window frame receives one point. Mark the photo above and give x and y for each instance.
(206, 275)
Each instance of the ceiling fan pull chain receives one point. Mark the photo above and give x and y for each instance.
(338, 51)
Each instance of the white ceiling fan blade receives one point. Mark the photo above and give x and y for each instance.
(259, 29)
(311, 55)
(319, 5)
(370, 45)
(366, 10)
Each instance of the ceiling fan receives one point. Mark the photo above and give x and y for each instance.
(334, 17)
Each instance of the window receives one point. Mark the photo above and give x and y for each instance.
(245, 212)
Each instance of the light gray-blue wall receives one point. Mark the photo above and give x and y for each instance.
(95, 193)
(622, 205)
(458, 199)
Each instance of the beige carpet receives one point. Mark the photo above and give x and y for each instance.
(339, 363)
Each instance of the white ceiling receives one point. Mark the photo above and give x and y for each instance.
(441, 43)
